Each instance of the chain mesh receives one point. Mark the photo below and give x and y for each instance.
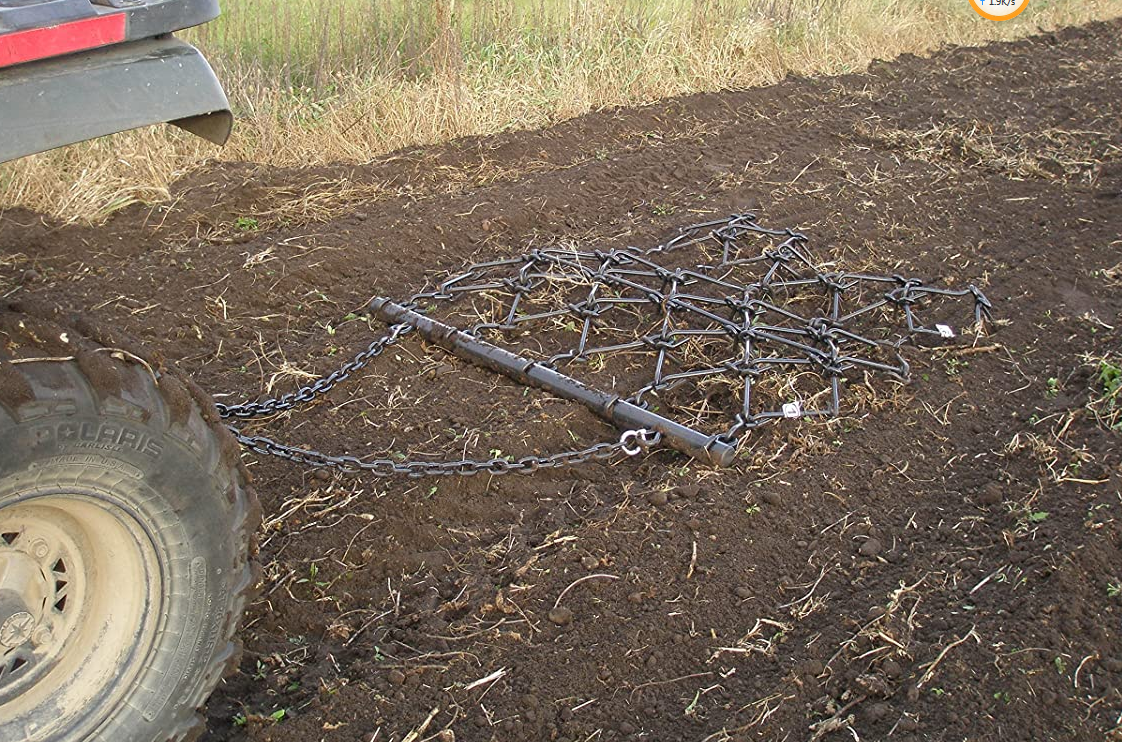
(726, 327)
(728, 311)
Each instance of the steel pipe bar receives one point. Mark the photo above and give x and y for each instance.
(612, 408)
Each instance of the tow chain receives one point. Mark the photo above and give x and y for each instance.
(630, 443)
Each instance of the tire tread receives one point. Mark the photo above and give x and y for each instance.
(173, 403)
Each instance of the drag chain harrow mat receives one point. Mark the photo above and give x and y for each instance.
(694, 342)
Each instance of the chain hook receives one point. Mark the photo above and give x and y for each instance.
(633, 442)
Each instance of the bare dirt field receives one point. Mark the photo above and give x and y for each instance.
(943, 562)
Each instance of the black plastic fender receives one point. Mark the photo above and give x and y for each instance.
(70, 99)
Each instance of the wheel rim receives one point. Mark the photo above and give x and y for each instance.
(80, 582)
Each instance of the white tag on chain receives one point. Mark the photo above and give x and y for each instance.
(793, 410)
(945, 331)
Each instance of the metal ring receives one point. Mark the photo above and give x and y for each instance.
(629, 443)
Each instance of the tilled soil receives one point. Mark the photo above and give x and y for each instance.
(942, 562)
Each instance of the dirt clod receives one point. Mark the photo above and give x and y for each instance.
(561, 616)
(991, 494)
(688, 491)
(870, 548)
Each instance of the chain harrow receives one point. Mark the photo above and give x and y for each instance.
(727, 311)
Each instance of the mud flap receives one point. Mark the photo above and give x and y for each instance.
(61, 101)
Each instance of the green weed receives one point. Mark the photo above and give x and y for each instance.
(1106, 404)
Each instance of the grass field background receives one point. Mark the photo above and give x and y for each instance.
(320, 81)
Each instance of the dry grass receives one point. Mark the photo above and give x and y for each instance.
(307, 94)
(1049, 153)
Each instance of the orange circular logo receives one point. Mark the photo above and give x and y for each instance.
(999, 10)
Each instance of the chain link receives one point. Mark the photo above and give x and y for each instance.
(323, 385)
(630, 443)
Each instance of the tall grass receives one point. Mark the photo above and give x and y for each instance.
(319, 81)
(306, 44)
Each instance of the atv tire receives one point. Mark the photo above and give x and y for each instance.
(126, 527)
